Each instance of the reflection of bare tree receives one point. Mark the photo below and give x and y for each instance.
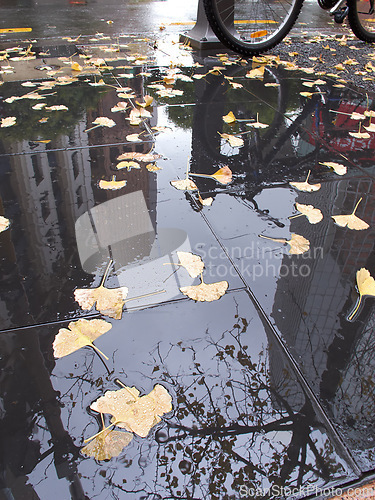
(238, 425)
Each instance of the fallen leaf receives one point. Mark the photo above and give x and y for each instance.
(205, 292)
(314, 215)
(338, 168)
(133, 138)
(357, 116)
(191, 262)
(104, 122)
(76, 67)
(257, 124)
(256, 72)
(143, 157)
(57, 107)
(360, 135)
(235, 142)
(8, 122)
(79, 334)
(223, 175)
(366, 287)
(4, 223)
(39, 106)
(147, 101)
(107, 445)
(112, 184)
(229, 118)
(135, 414)
(305, 186)
(370, 128)
(120, 106)
(109, 301)
(206, 202)
(298, 244)
(351, 220)
(152, 167)
(184, 184)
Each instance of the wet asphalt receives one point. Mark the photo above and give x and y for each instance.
(271, 376)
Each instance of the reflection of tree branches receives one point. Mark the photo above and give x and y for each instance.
(235, 433)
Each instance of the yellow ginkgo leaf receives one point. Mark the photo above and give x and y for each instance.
(223, 175)
(133, 138)
(79, 334)
(104, 122)
(235, 142)
(143, 157)
(306, 94)
(128, 165)
(206, 202)
(305, 186)
(338, 168)
(229, 118)
(298, 244)
(57, 107)
(184, 184)
(148, 100)
(357, 116)
(120, 106)
(76, 67)
(205, 292)
(366, 287)
(256, 72)
(351, 220)
(314, 215)
(191, 262)
(370, 128)
(360, 135)
(107, 445)
(257, 124)
(4, 223)
(135, 414)
(112, 184)
(109, 301)
(8, 121)
(152, 167)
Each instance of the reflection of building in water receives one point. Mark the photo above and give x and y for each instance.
(44, 193)
(311, 304)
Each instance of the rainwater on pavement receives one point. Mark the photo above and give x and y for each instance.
(264, 382)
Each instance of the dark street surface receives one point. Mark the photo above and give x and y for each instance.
(271, 380)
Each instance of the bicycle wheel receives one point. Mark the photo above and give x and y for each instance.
(251, 26)
(361, 19)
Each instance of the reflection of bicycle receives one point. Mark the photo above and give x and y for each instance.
(253, 26)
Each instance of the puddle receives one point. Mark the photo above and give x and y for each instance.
(271, 384)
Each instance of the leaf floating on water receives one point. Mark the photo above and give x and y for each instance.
(112, 184)
(79, 334)
(206, 202)
(305, 186)
(104, 122)
(108, 301)
(357, 116)
(314, 215)
(135, 414)
(229, 118)
(152, 168)
(133, 138)
(351, 220)
(223, 175)
(57, 107)
(76, 67)
(370, 128)
(148, 100)
(360, 135)
(191, 262)
(256, 72)
(366, 287)
(235, 142)
(120, 106)
(298, 244)
(205, 292)
(8, 122)
(257, 124)
(107, 445)
(143, 157)
(338, 168)
(4, 223)
(184, 184)
(128, 165)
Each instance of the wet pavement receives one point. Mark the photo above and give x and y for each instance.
(270, 374)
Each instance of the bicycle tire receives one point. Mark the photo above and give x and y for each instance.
(361, 23)
(251, 27)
